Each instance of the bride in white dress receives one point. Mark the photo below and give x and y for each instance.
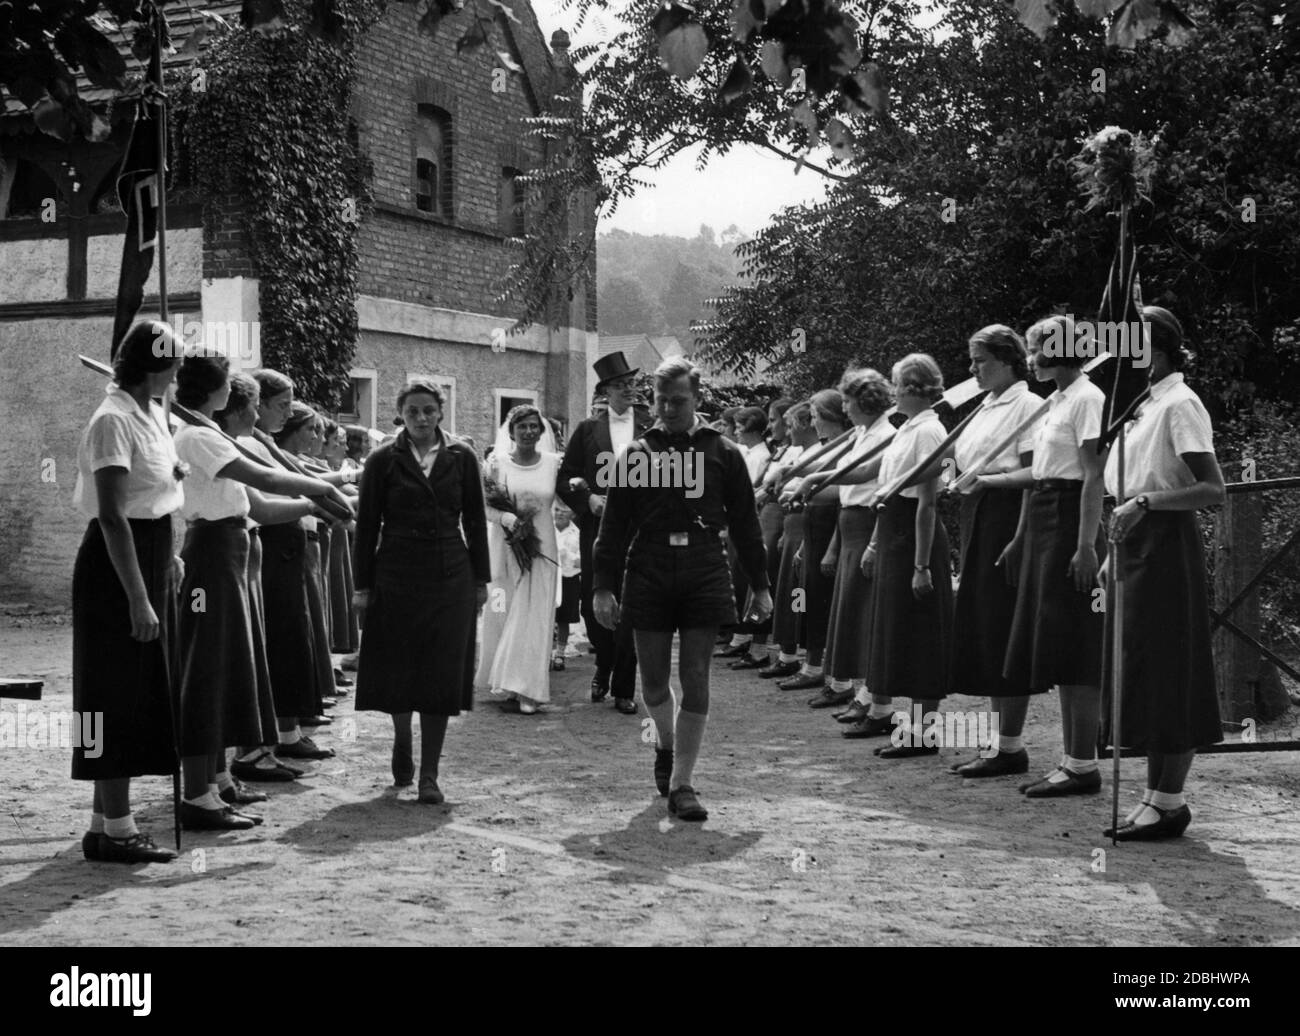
(519, 618)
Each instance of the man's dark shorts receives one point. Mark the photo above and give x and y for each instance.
(667, 588)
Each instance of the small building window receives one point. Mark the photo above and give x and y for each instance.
(433, 161)
(26, 191)
(511, 199)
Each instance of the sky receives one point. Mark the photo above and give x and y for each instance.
(744, 187)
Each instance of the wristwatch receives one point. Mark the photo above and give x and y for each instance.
(1143, 503)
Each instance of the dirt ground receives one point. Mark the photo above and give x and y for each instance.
(553, 834)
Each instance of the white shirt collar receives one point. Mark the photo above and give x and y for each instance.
(624, 418)
(916, 420)
(1166, 384)
(1009, 394)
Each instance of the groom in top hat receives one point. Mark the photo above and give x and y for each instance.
(603, 436)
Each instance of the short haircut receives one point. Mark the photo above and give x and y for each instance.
(828, 405)
(1061, 328)
(1166, 335)
(868, 388)
(243, 391)
(1005, 346)
(751, 419)
(301, 416)
(518, 413)
(781, 405)
(678, 367)
(272, 382)
(918, 374)
(356, 431)
(427, 387)
(799, 416)
(200, 375)
(149, 347)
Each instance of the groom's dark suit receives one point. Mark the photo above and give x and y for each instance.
(615, 650)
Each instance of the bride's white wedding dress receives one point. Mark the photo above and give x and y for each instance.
(519, 617)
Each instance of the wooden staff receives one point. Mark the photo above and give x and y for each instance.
(187, 415)
(918, 473)
(840, 441)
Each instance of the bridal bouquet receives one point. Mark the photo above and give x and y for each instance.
(522, 540)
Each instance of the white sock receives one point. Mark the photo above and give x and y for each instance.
(290, 737)
(758, 652)
(1007, 743)
(663, 716)
(1138, 810)
(251, 756)
(841, 685)
(880, 711)
(1080, 765)
(788, 658)
(810, 670)
(740, 639)
(690, 735)
(97, 823)
(215, 791)
(1167, 800)
(205, 801)
(121, 828)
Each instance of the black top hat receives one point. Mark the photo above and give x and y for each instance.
(612, 366)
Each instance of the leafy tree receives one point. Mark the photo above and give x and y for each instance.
(625, 308)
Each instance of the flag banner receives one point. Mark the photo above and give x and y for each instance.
(138, 186)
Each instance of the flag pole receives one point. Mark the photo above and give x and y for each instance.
(161, 112)
(1115, 560)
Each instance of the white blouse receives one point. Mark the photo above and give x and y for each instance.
(1171, 422)
(867, 437)
(121, 435)
(996, 419)
(208, 496)
(919, 437)
(1073, 418)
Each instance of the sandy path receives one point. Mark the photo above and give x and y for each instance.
(554, 834)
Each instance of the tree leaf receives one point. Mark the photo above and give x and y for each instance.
(52, 119)
(745, 20)
(1036, 15)
(773, 63)
(737, 83)
(867, 92)
(1097, 8)
(100, 60)
(841, 140)
(683, 49)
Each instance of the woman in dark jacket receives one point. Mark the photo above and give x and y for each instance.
(420, 586)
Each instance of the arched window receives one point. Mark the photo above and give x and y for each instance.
(433, 161)
(510, 201)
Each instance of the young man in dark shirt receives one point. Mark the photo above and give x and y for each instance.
(670, 493)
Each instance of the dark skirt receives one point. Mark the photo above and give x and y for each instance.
(289, 649)
(343, 617)
(770, 521)
(218, 670)
(128, 682)
(1056, 632)
(417, 652)
(986, 602)
(570, 599)
(849, 626)
(910, 650)
(818, 533)
(325, 539)
(257, 612)
(1170, 703)
(323, 665)
(787, 608)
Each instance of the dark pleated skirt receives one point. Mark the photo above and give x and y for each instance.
(788, 608)
(128, 682)
(770, 520)
(322, 664)
(910, 651)
(289, 649)
(818, 531)
(218, 670)
(325, 539)
(849, 627)
(343, 618)
(986, 602)
(257, 612)
(1056, 632)
(417, 654)
(1170, 703)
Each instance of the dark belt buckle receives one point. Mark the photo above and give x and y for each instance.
(679, 539)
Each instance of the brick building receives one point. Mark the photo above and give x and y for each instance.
(443, 131)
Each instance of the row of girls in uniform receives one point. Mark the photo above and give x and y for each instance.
(214, 648)
(1024, 618)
